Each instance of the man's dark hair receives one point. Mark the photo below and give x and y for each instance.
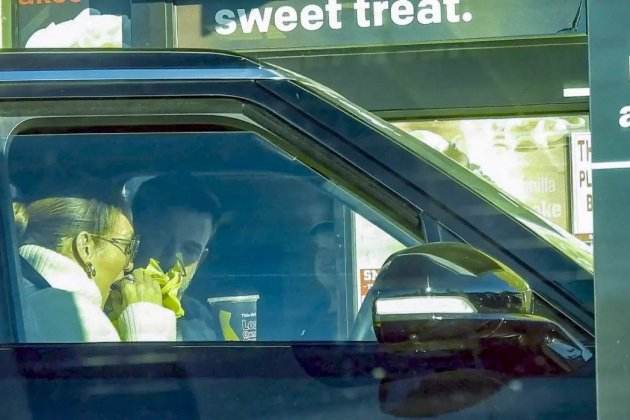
(176, 190)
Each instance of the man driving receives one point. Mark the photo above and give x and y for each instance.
(175, 216)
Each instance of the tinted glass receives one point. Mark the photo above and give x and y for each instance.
(246, 242)
(542, 161)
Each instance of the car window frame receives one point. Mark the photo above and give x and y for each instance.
(281, 107)
(421, 182)
(57, 124)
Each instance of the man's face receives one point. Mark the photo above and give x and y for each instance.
(174, 232)
(324, 264)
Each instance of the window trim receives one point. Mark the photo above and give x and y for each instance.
(286, 141)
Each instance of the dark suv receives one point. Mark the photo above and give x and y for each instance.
(449, 298)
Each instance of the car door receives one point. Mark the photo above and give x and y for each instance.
(284, 160)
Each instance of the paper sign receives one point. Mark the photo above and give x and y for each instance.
(581, 184)
(366, 280)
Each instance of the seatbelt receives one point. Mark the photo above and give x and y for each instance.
(30, 275)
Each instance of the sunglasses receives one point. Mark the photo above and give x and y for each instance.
(129, 247)
(184, 260)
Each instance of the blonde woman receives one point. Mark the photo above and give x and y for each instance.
(73, 251)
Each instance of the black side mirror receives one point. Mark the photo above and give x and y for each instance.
(451, 296)
(465, 323)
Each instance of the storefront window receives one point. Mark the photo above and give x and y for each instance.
(372, 247)
(533, 159)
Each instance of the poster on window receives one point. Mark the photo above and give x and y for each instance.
(524, 157)
(73, 24)
(581, 185)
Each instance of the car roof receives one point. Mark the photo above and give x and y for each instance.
(101, 65)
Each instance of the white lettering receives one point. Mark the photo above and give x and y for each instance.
(402, 12)
(451, 10)
(430, 12)
(539, 185)
(224, 19)
(285, 18)
(361, 6)
(379, 8)
(312, 17)
(547, 209)
(624, 117)
(333, 9)
(254, 17)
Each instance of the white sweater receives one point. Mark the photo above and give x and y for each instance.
(70, 311)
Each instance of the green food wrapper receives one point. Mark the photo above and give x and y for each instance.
(170, 283)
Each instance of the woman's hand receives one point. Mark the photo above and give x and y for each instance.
(133, 288)
(139, 287)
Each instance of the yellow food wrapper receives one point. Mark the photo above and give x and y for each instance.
(170, 283)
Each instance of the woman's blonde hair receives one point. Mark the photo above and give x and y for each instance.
(47, 222)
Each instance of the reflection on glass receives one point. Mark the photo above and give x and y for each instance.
(525, 157)
(373, 247)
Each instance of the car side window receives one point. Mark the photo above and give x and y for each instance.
(188, 236)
